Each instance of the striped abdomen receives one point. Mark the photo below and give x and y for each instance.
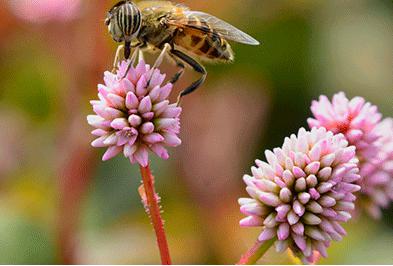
(205, 43)
(125, 22)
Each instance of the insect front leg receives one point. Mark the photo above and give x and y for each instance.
(117, 57)
(132, 61)
(197, 67)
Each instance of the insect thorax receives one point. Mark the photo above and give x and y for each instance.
(154, 32)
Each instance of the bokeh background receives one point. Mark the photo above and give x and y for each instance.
(60, 204)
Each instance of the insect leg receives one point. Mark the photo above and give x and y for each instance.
(160, 58)
(117, 57)
(164, 51)
(178, 74)
(132, 62)
(141, 56)
(197, 67)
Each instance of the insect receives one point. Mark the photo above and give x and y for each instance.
(188, 37)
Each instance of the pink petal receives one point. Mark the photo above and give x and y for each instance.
(147, 128)
(300, 242)
(135, 120)
(128, 86)
(119, 123)
(269, 199)
(142, 156)
(283, 231)
(99, 132)
(267, 234)
(172, 112)
(251, 221)
(160, 151)
(129, 150)
(99, 143)
(160, 107)
(141, 86)
(298, 172)
(171, 140)
(145, 105)
(111, 152)
(312, 168)
(155, 93)
(116, 100)
(153, 138)
(165, 92)
(298, 228)
(157, 78)
(132, 101)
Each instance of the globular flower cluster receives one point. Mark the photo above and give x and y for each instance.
(361, 124)
(303, 192)
(377, 172)
(45, 10)
(134, 115)
(354, 118)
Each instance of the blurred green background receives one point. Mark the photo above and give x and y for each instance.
(60, 204)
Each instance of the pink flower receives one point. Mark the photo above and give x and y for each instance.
(354, 118)
(134, 116)
(40, 11)
(303, 192)
(360, 122)
(377, 172)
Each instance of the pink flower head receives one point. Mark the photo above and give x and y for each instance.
(303, 192)
(134, 116)
(377, 172)
(40, 11)
(354, 118)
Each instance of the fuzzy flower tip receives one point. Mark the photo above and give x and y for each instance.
(354, 118)
(303, 192)
(377, 172)
(134, 116)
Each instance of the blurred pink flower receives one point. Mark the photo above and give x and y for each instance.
(354, 118)
(360, 122)
(41, 11)
(377, 172)
(134, 116)
(303, 193)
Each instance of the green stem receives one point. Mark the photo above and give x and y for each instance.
(256, 252)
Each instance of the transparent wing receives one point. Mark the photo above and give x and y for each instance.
(159, 5)
(223, 28)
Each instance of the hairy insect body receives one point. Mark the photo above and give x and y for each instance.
(154, 33)
(196, 38)
(187, 36)
(208, 47)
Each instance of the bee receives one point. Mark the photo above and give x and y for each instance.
(188, 37)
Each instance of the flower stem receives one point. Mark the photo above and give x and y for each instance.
(256, 252)
(155, 216)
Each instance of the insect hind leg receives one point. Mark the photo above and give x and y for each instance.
(197, 67)
(180, 73)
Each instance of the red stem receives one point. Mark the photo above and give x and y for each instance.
(155, 216)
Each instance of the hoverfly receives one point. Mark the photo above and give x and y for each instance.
(186, 36)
